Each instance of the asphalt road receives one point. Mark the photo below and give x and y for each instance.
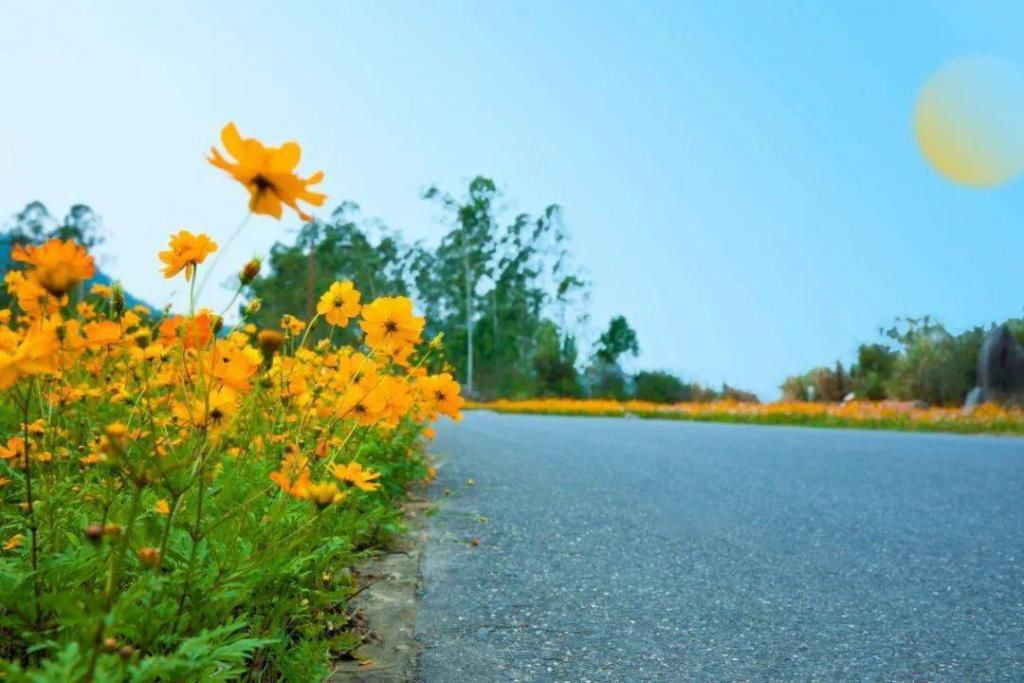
(631, 550)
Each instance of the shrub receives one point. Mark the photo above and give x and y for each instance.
(660, 387)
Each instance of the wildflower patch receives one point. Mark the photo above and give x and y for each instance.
(181, 499)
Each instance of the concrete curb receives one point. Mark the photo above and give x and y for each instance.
(389, 604)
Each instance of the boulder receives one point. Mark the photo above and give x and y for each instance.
(1000, 369)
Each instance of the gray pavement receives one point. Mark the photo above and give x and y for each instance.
(631, 550)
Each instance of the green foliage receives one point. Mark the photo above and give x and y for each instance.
(498, 289)
(923, 361)
(617, 340)
(340, 249)
(820, 384)
(872, 372)
(934, 365)
(660, 387)
(554, 363)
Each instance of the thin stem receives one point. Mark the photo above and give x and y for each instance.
(32, 523)
(220, 252)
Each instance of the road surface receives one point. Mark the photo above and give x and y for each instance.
(633, 550)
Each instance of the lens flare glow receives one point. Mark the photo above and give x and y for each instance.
(968, 121)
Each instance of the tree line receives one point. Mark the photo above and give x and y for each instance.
(917, 359)
(504, 291)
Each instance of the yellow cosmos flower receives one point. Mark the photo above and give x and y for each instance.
(292, 325)
(33, 299)
(14, 542)
(36, 354)
(293, 475)
(214, 414)
(14, 450)
(187, 251)
(339, 303)
(322, 493)
(353, 473)
(57, 265)
(442, 394)
(390, 326)
(268, 173)
(162, 507)
(102, 333)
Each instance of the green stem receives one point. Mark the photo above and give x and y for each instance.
(222, 250)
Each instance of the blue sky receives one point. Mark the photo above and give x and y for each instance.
(740, 179)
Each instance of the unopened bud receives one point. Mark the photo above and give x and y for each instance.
(250, 271)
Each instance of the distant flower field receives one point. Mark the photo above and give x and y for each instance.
(184, 500)
(988, 418)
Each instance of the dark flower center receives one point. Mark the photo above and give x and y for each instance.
(390, 326)
(262, 183)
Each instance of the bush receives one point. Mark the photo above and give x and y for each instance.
(660, 387)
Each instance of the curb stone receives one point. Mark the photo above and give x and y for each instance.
(389, 605)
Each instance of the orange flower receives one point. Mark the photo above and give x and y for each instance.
(441, 393)
(162, 507)
(390, 326)
(32, 297)
(353, 473)
(268, 173)
(339, 303)
(291, 324)
(214, 413)
(102, 333)
(14, 542)
(322, 493)
(35, 355)
(187, 251)
(57, 265)
(293, 475)
(14, 450)
(194, 332)
(233, 367)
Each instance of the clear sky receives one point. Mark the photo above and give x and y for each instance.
(740, 178)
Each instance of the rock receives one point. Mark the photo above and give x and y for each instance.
(1001, 368)
(975, 397)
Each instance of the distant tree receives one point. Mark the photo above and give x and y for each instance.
(873, 371)
(935, 366)
(342, 250)
(617, 340)
(660, 387)
(554, 362)
(489, 285)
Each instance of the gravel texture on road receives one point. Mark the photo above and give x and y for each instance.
(632, 550)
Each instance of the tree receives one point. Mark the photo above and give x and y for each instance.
(554, 362)
(342, 250)
(872, 371)
(660, 387)
(618, 339)
(490, 284)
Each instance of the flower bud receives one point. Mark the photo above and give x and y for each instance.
(149, 557)
(94, 532)
(250, 271)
